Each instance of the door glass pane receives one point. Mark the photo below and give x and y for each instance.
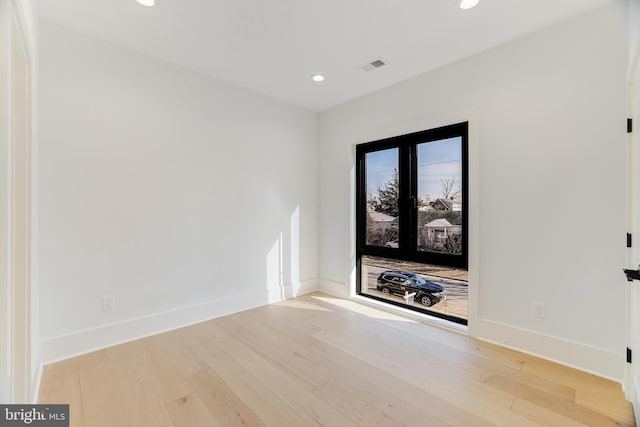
(428, 287)
(440, 196)
(382, 198)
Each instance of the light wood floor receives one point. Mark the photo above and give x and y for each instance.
(323, 361)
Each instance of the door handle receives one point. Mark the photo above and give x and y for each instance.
(632, 274)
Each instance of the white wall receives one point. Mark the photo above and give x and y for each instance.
(183, 197)
(547, 115)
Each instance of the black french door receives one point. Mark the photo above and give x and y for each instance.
(412, 197)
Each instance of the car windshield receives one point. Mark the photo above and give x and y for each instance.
(419, 280)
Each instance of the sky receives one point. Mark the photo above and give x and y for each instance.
(436, 160)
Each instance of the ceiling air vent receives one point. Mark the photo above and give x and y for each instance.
(376, 63)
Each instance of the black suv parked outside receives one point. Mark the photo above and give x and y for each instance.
(398, 282)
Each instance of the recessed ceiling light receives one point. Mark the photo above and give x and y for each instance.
(468, 4)
(318, 78)
(147, 3)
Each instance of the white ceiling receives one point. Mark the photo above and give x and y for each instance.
(274, 46)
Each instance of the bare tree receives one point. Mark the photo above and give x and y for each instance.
(448, 190)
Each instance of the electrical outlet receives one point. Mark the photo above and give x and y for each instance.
(539, 310)
(108, 303)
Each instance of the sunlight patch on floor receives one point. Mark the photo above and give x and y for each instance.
(362, 309)
(301, 304)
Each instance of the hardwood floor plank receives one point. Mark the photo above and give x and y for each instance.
(221, 401)
(539, 398)
(610, 404)
(392, 405)
(133, 378)
(445, 340)
(322, 361)
(419, 370)
(287, 354)
(167, 379)
(542, 416)
(405, 401)
(102, 402)
(61, 369)
(189, 411)
(64, 390)
(390, 328)
(176, 345)
(262, 401)
(571, 377)
(519, 385)
(353, 407)
(309, 407)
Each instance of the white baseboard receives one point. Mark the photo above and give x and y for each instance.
(82, 342)
(593, 360)
(333, 288)
(302, 288)
(292, 290)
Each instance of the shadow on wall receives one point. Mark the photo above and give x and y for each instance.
(278, 287)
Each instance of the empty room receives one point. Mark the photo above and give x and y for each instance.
(334, 213)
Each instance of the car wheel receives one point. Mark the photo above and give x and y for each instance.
(425, 300)
(386, 291)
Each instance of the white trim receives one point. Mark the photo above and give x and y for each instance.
(336, 289)
(301, 288)
(292, 290)
(81, 342)
(597, 361)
